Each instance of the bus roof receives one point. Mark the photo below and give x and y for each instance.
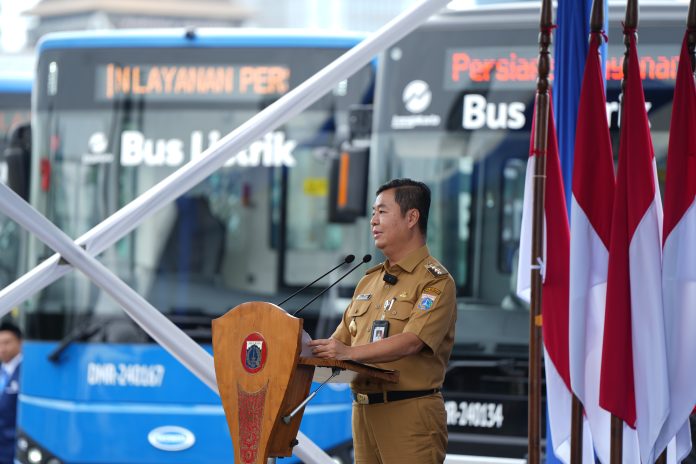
(15, 82)
(198, 37)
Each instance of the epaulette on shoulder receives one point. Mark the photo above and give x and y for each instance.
(374, 268)
(436, 269)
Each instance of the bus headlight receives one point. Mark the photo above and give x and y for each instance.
(22, 444)
(34, 455)
(28, 451)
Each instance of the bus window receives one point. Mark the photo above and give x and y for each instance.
(449, 174)
(513, 176)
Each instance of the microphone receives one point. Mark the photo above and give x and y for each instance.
(348, 259)
(389, 278)
(366, 259)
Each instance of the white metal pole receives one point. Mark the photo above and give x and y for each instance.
(130, 216)
(162, 330)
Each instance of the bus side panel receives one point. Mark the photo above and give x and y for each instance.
(112, 400)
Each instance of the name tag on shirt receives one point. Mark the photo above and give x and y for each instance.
(380, 330)
(363, 297)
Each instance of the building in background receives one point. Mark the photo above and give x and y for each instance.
(44, 16)
(351, 15)
(23, 26)
(71, 15)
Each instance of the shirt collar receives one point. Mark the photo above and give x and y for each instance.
(12, 365)
(412, 260)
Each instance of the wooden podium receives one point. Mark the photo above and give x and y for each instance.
(262, 378)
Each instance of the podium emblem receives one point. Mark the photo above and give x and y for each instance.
(254, 352)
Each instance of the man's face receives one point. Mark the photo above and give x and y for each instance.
(10, 346)
(389, 226)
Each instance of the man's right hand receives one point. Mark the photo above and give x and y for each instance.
(330, 348)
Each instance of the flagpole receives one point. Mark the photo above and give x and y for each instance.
(540, 138)
(662, 458)
(630, 27)
(691, 27)
(576, 431)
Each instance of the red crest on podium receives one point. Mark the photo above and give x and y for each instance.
(254, 352)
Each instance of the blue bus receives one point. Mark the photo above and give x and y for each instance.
(116, 112)
(15, 102)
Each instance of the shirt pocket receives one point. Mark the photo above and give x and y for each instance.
(359, 308)
(398, 316)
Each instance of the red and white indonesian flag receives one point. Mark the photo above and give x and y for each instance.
(555, 291)
(634, 383)
(590, 210)
(679, 260)
(590, 229)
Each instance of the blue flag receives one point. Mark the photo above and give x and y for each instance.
(570, 51)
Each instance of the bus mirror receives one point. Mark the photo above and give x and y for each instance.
(360, 122)
(18, 159)
(348, 186)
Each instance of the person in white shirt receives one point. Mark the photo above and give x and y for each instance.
(11, 357)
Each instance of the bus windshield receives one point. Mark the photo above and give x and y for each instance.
(255, 229)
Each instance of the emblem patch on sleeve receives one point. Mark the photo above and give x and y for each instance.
(432, 290)
(427, 301)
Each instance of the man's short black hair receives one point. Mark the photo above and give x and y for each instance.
(10, 327)
(411, 194)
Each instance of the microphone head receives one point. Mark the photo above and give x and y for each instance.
(367, 258)
(349, 259)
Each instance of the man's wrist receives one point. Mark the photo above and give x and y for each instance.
(350, 353)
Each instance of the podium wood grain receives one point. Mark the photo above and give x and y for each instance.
(255, 402)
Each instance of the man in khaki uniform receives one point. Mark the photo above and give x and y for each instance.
(401, 317)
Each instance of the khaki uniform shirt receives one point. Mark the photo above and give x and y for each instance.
(423, 302)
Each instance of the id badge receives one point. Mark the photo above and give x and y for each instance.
(380, 330)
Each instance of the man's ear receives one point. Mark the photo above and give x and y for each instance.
(412, 216)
